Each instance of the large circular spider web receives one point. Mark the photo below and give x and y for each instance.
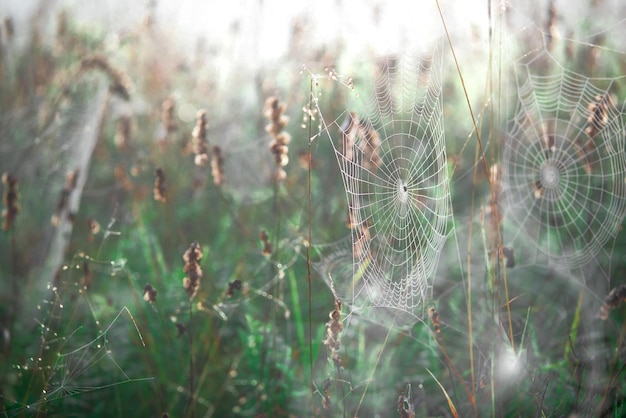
(563, 163)
(391, 152)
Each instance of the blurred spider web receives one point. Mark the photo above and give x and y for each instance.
(390, 148)
(563, 195)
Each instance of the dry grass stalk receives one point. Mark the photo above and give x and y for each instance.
(199, 140)
(348, 135)
(11, 207)
(267, 245)
(616, 296)
(87, 275)
(552, 28)
(192, 269)
(217, 165)
(274, 111)
(159, 186)
(493, 208)
(149, 293)
(71, 180)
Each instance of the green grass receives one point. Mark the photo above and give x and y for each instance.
(83, 341)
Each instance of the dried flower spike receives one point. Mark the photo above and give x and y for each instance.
(217, 165)
(333, 328)
(369, 145)
(167, 116)
(199, 140)
(232, 286)
(267, 245)
(616, 296)
(122, 135)
(274, 111)
(159, 186)
(192, 269)
(11, 207)
(326, 392)
(149, 293)
(434, 318)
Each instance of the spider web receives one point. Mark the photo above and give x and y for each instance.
(563, 164)
(390, 149)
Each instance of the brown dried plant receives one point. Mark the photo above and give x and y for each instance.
(369, 145)
(232, 286)
(274, 111)
(167, 116)
(405, 407)
(87, 275)
(348, 135)
(267, 245)
(362, 238)
(11, 207)
(217, 165)
(159, 186)
(122, 134)
(434, 318)
(333, 329)
(119, 83)
(149, 293)
(616, 296)
(199, 140)
(598, 114)
(192, 269)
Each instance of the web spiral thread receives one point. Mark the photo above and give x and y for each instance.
(564, 167)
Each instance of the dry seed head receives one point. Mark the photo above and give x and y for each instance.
(11, 207)
(149, 293)
(167, 116)
(217, 165)
(434, 318)
(159, 186)
(369, 145)
(274, 111)
(232, 286)
(94, 226)
(199, 140)
(333, 328)
(616, 296)
(122, 135)
(267, 245)
(598, 114)
(192, 269)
